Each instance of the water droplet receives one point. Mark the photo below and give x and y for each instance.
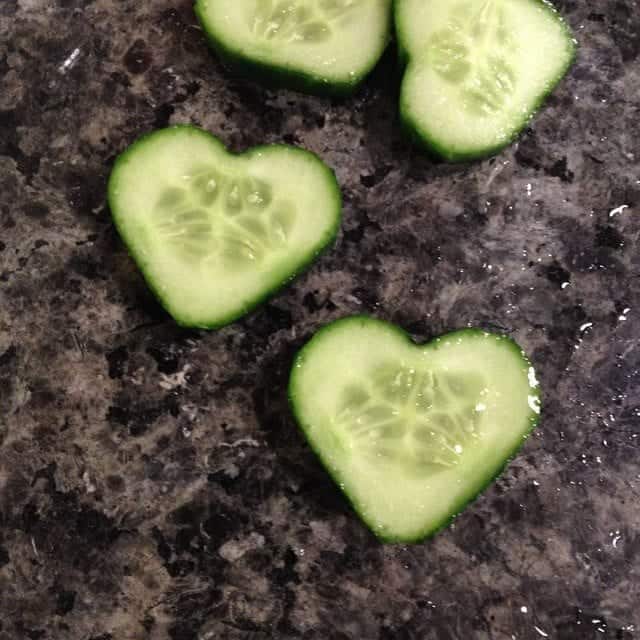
(534, 403)
(618, 210)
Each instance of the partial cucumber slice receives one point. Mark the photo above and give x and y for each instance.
(412, 433)
(215, 233)
(477, 70)
(316, 46)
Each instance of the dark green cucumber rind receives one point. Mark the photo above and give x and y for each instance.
(431, 529)
(423, 138)
(403, 52)
(280, 77)
(184, 321)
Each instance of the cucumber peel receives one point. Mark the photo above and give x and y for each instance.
(412, 433)
(215, 233)
(477, 70)
(324, 47)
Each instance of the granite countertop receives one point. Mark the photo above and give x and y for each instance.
(152, 482)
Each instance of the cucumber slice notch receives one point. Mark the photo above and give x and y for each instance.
(314, 46)
(215, 233)
(477, 70)
(412, 433)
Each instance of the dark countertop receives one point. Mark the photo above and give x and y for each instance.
(152, 483)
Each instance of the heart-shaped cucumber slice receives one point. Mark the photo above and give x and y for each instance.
(215, 233)
(477, 70)
(317, 46)
(412, 433)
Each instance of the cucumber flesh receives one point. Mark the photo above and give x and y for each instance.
(477, 70)
(216, 233)
(412, 433)
(318, 46)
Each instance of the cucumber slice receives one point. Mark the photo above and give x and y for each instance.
(215, 233)
(477, 70)
(315, 46)
(412, 433)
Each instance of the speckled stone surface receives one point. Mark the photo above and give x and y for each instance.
(152, 482)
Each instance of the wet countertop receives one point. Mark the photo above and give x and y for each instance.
(152, 482)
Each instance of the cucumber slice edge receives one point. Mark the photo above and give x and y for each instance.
(432, 529)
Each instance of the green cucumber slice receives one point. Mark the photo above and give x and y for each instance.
(315, 46)
(215, 233)
(412, 433)
(477, 70)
